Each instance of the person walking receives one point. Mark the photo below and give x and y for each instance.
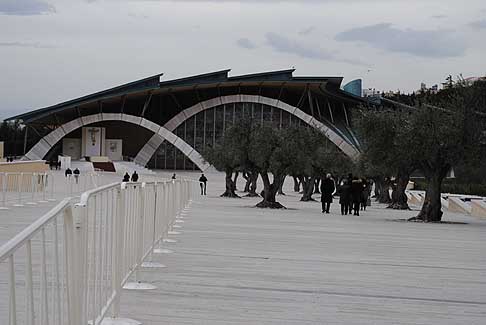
(327, 189)
(356, 193)
(76, 173)
(135, 176)
(126, 177)
(345, 197)
(366, 194)
(203, 183)
(174, 176)
(68, 172)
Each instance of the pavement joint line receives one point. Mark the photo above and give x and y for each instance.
(343, 294)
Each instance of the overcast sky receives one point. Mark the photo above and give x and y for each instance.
(56, 50)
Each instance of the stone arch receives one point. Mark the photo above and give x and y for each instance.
(146, 153)
(41, 148)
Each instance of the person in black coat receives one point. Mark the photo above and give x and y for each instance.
(327, 189)
(345, 197)
(76, 173)
(356, 193)
(202, 183)
(135, 176)
(365, 196)
(126, 177)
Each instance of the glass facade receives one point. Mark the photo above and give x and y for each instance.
(207, 127)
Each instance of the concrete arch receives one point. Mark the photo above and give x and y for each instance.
(41, 148)
(146, 153)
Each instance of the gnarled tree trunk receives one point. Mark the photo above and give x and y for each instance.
(280, 188)
(432, 208)
(246, 176)
(230, 186)
(399, 198)
(296, 184)
(308, 188)
(269, 192)
(253, 178)
(316, 186)
(235, 179)
(378, 187)
(384, 193)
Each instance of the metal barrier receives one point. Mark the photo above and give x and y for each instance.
(88, 251)
(39, 289)
(20, 189)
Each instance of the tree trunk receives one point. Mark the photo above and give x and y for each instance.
(280, 188)
(399, 198)
(308, 185)
(378, 188)
(230, 186)
(235, 179)
(316, 186)
(269, 192)
(253, 178)
(432, 208)
(385, 194)
(296, 184)
(246, 176)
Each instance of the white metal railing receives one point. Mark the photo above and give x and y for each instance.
(69, 267)
(36, 271)
(20, 189)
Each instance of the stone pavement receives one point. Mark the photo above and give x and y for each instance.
(235, 264)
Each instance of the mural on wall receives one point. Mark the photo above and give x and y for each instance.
(93, 139)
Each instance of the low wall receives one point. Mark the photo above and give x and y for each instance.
(32, 166)
(458, 205)
(478, 208)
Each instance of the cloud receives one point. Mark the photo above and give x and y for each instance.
(246, 43)
(26, 44)
(25, 7)
(307, 31)
(423, 43)
(439, 16)
(283, 44)
(479, 24)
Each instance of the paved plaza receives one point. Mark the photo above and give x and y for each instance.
(235, 264)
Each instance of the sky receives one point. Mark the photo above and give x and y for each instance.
(55, 50)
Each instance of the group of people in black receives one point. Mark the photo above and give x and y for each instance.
(54, 165)
(127, 178)
(354, 194)
(68, 173)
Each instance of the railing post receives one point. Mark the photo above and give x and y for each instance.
(4, 191)
(19, 189)
(141, 218)
(117, 257)
(12, 296)
(44, 188)
(70, 181)
(75, 232)
(52, 187)
(32, 190)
